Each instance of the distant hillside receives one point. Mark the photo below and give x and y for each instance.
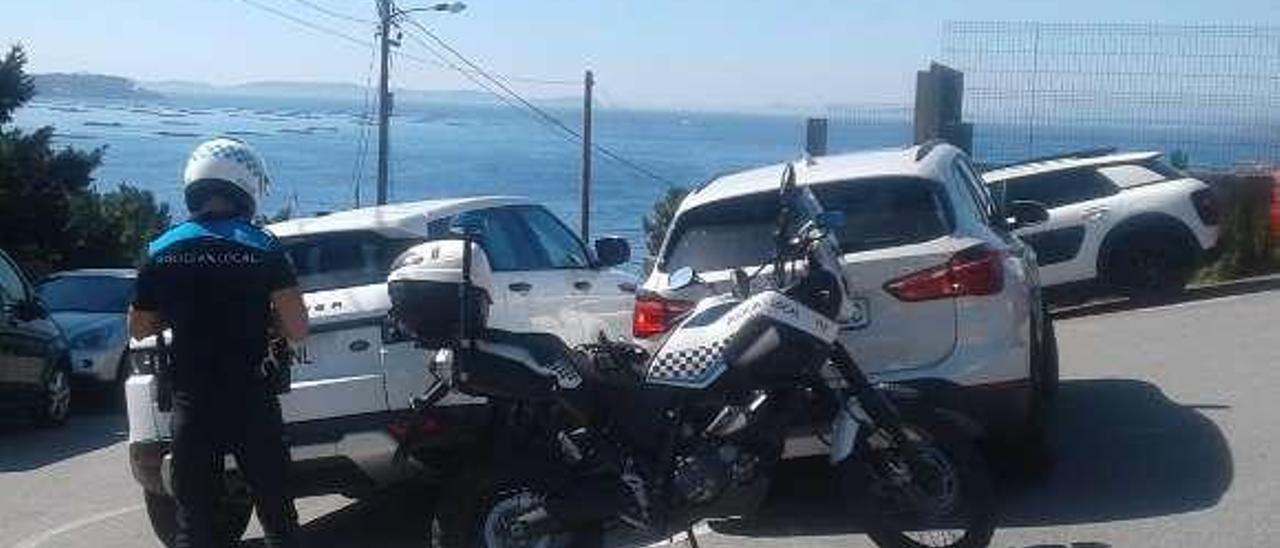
(314, 90)
(84, 85)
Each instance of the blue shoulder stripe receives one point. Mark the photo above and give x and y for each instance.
(233, 230)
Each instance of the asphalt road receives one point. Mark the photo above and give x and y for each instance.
(1167, 434)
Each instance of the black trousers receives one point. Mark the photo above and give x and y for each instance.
(250, 427)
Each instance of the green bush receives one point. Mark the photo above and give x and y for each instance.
(657, 221)
(1246, 247)
(51, 215)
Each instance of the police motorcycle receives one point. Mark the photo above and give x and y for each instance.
(604, 437)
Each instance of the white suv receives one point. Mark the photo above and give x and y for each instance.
(1129, 221)
(350, 402)
(948, 301)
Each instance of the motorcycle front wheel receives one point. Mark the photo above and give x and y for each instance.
(935, 492)
(481, 512)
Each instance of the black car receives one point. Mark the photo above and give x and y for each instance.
(35, 366)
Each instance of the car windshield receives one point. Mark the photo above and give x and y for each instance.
(86, 294)
(879, 213)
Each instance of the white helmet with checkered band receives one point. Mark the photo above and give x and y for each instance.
(227, 167)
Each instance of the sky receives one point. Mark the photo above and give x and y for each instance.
(696, 54)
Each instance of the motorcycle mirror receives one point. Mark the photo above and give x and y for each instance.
(832, 221)
(681, 278)
(741, 284)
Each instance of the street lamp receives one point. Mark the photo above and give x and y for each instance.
(449, 7)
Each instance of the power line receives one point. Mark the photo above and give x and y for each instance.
(309, 24)
(333, 13)
(542, 114)
(475, 69)
(444, 62)
(366, 113)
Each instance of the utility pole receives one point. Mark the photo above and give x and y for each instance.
(384, 97)
(588, 82)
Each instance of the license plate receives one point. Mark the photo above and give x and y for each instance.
(859, 314)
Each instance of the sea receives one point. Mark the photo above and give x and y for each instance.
(321, 153)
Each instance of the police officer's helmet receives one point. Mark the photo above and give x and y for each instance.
(225, 167)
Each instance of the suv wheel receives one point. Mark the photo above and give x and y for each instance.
(55, 398)
(1027, 454)
(1046, 359)
(1149, 265)
(162, 511)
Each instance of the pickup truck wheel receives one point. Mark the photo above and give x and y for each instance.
(162, 511)
(1149, 265)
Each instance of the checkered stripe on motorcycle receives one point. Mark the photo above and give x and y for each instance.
(689, 364)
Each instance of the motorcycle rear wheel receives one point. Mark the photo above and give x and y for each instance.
(476, 511)
(949, 502)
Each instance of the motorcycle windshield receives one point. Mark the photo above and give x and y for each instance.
(804, 210)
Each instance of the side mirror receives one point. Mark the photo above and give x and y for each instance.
(683, 277)
(28, 310)
(1025, 213)
(612, 252)
(467, 225)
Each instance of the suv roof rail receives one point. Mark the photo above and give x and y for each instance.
(927, 147)
(1084, 153)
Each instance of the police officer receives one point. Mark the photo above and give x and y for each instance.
(221, 283)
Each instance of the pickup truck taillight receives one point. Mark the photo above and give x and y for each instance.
(1206, 206)
(654, 315)
(976, 271)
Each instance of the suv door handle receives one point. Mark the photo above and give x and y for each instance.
(1095, 214)
(520, 287)
(582, 285)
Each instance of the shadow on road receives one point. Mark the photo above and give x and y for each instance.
(1122, 450)
(396, 520)
(97, 421)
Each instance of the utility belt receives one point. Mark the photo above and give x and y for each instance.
(275, 371)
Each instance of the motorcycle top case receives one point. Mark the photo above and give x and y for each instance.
(425, 290)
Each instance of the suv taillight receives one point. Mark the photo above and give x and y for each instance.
(1206, 206)
(654, 315)
(976, 271)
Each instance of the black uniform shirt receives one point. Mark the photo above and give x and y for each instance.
(211, 280)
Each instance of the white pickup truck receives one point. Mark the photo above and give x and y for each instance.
(349, 404)
(1128, 222)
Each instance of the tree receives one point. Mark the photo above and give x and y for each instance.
(16, 87)
(51, 217)
(659, 218)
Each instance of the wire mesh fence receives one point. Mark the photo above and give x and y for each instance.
(868, 125)
(1206, 94)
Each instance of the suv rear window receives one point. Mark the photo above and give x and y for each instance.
(343, 259)
(879, 213)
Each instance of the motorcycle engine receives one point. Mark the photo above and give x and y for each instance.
(703, 473)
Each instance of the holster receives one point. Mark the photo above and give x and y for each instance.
(277, 366)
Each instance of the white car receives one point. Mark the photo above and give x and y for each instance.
(1126, 221)
(350, 400)
(90, 306)
(947, 300)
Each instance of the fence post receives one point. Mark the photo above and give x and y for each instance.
(815, 136)
(940, 106)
